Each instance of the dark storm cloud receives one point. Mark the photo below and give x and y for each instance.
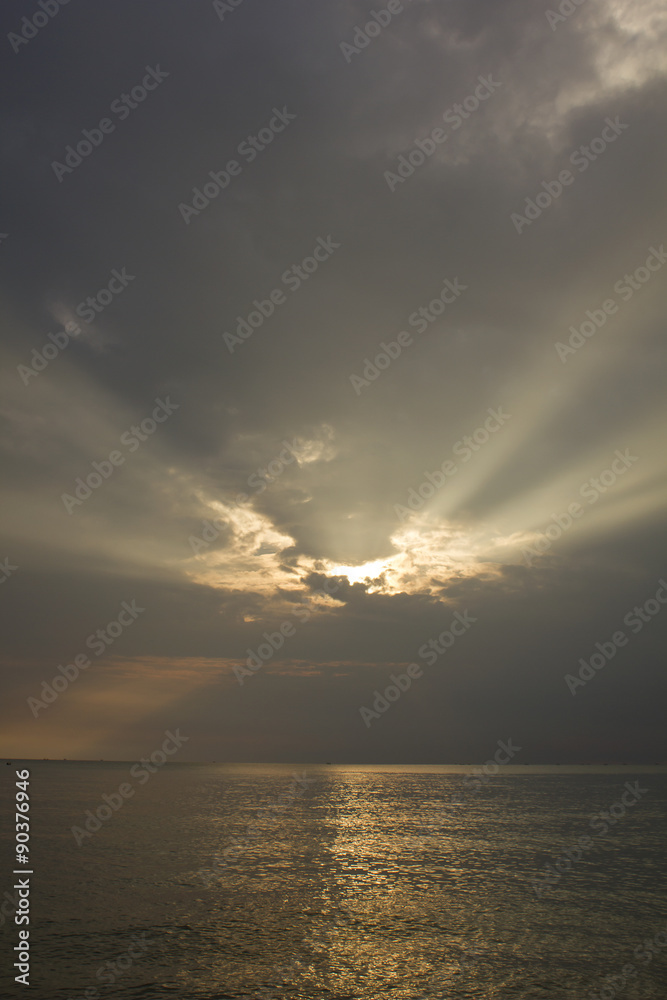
(323, 178)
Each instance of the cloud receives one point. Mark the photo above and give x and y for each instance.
(277, 469)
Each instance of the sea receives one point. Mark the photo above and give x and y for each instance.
(206, 881)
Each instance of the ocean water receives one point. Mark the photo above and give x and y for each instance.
(399, 882)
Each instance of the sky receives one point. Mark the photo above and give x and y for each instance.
(333, 349)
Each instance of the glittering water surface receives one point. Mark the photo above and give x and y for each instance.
(364, 882)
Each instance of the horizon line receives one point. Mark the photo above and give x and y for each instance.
(328, 763)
